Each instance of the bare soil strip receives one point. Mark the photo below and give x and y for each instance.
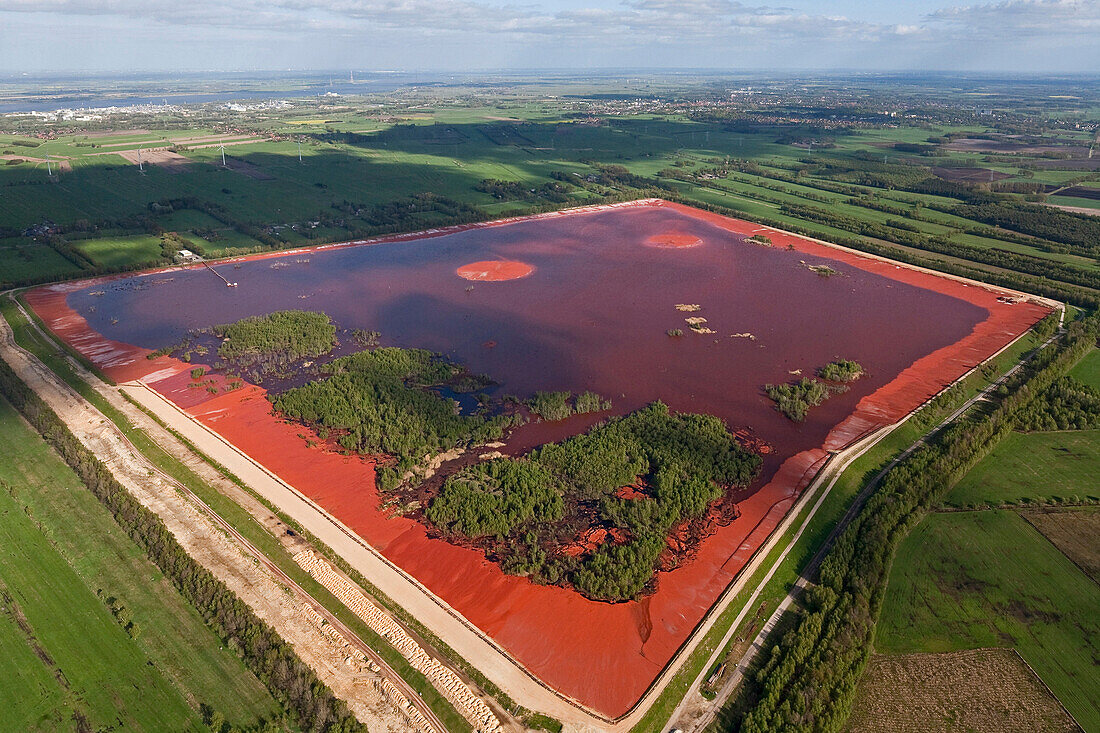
(979, 689)
(1076, 209)
(172, 162)
(340, 660)
(1074, 532)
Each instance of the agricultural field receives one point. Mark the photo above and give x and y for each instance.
(1088, 369)
(975, 580)
(119, 252)
(1034, 467)
(365, 168)
(93, 634)
(22, 258)
(1074, 532)
(981, 689)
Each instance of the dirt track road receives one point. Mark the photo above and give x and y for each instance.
(215, 544)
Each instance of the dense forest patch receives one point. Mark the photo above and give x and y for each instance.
(383, 401)
(276, 339)
(675, 465)
(1068, 404)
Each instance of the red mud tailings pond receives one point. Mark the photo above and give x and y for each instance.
(592, 314)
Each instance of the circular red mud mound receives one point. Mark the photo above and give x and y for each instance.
(674, 240)
(495, 270)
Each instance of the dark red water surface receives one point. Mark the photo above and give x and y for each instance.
(592, 315)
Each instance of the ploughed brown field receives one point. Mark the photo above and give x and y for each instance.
(576, 301)
(978, 689)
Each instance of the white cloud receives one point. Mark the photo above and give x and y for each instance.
(1052, 18)
(480, 33)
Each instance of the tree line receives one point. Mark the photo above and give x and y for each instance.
(808, 678)
(291, 682)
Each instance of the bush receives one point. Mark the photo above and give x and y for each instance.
(277, 338)
(843, 370)
(555, 406)
(795, 399)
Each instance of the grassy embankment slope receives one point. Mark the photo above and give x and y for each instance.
(71, 580)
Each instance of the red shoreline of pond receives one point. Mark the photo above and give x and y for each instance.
(603, 655)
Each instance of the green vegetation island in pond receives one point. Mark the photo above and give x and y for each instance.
(593, 512)
(796, 398)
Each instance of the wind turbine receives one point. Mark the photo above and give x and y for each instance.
(141, 164)
(49, 169)
(299, 151)
(223, 155)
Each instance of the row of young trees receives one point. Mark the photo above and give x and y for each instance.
(1032, 265)
(291, 682)
(808, 679)
(1080, 231)
(555, 191)
(1069, 404)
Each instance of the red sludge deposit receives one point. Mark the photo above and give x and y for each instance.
(592, 313)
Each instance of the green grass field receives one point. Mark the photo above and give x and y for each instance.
(21, 257)
(448, 151)
(1088, 369)
(967, 580)
(1034, 466)
(63, 556)
(1075, 201)
(121, 251)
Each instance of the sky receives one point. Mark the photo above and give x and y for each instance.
(1039, 36)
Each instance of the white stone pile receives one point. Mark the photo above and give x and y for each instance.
(469, 705)
(413, 717)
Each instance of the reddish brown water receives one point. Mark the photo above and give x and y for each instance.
(593, 314)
